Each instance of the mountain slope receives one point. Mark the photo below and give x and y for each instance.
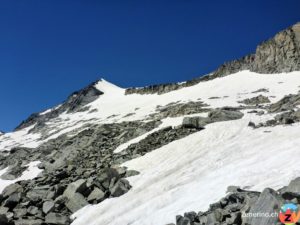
(111, 156)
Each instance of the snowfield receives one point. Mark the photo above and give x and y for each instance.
(193, 172)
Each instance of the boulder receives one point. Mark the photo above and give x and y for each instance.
(96, 195)
(48, 206)
(12, 200)
(77, 186)
(57, 219)
(260, 99)
(180, 220)
(292, 190)
(10, 189)
(224, 115)
(76, 202)
(269, 201)
(32, 210)
(195, 122)
(120, 188)
(28, 222)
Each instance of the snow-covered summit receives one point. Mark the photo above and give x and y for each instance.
(107, 87)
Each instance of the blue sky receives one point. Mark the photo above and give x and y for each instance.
(51, 48)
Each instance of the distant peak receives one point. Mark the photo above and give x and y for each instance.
(106, 86)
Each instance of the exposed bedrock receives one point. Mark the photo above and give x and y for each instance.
(276, 55)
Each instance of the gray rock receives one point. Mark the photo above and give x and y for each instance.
(12, 200)
(56, 219)
(120, 188)
(77, 186)
(224, 115)
(96, 195)
(36, 194)
(180, 220)
(76, 202)
(32, 210)
(268, 202)
(48, 206)
(29, 222)
(10, 189)
(260, 99)
(231, 189)
(19, 212)
(292, 190)
(195, 122)
(3, 210)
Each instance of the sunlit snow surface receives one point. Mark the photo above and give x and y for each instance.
(193, 172)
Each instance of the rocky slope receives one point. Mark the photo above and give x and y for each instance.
(239, 204)
(108, 157)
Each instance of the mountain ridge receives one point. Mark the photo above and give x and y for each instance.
(141, 159)
(269, 58)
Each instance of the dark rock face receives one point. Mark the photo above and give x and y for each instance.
(179, 109)
(154, 141)
(241, 207)
(286, 109)
(279, 54)
(276, 55)
(215, 115)
(260, 99)
(75, 102)
(289, 102)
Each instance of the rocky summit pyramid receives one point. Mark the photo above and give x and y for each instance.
(215, 150)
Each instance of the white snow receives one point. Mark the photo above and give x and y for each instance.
(31, 172)
(19, 138)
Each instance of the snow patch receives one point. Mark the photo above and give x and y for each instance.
(31, 172)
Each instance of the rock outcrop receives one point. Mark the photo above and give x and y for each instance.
(276, 55)
(75, 102)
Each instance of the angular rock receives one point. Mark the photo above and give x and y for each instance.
(96, 195)
(292, 190)
(29, 222)
(224, 115)
(77, 186)
(10, 189)
(12, 200)
(32, 210)
(76, 202)
(195, 122)
(48, 206)
(120, 188)
(56, 219)
(268, 202)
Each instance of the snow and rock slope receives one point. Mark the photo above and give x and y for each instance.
(113, 156)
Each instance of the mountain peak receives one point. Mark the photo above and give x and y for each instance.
(106, 86)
